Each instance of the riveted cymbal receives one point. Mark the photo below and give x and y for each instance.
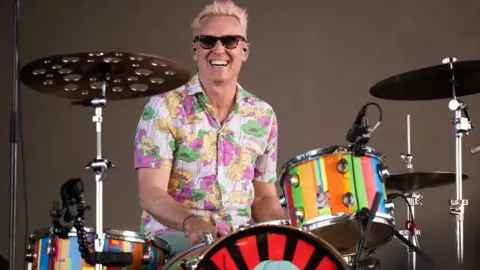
(79, 76)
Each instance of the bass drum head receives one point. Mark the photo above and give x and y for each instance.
(271, 247)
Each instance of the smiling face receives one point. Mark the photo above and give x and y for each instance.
(224, 61)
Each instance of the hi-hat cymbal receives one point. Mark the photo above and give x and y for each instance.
(78, 75)
(413, 181)
(431, 83)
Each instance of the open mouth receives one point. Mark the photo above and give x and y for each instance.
(219, 63)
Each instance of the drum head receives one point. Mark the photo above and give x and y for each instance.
(271, 247)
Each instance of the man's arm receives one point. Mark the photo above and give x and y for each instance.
(154, 199)
(266, 204)
(153, 160)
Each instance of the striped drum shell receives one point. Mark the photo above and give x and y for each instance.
(326, 188)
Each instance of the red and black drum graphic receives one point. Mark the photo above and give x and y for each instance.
(283, 246)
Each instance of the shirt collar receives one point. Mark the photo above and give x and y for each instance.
(195, 87)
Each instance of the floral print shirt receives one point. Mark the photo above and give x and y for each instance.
(212, 164)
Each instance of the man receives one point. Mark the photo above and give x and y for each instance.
(206, 152)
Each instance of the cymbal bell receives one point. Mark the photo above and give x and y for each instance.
(431, 83)
(414, 181)
(79, 76)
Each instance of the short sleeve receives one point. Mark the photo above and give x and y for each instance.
(154, 142)
(266, 164)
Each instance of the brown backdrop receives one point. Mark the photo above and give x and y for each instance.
(313, 62)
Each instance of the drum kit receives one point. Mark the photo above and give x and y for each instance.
(336, 197)
(337, 200)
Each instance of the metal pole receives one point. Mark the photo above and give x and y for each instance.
(14, 140)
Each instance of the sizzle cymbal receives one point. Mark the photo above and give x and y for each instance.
(431, 83)
(79, 76)
(408, 182)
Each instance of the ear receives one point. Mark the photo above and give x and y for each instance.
(193, 49)
(246, 51)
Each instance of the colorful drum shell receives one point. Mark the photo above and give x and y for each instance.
(325, 188)
(263, 246)
(148, 255)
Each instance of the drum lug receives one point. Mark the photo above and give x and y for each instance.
(294, 180)
(188, 264)
(208, 239)
(390, 207)
(348, 199)
(299, 213)
(30, 254)
(383, 171)
(342, 166)
(147, 258)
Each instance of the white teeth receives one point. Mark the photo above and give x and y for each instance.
(218, 63)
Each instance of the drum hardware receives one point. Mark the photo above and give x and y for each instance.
(474, 150)
(408, 157)
(462, 126)
(14, 138)
(411, 231)
(190, 263)
(359, 133)
(417, 250)
(440, 82)
(366, 220)
(88, 78)
(72, 197)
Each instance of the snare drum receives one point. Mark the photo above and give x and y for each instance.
(47, 251)
(269, 245)
(326, 188)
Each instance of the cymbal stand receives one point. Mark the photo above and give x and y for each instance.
(99, 165)
(461, 126)
(412, 199)
(411, 232)
(14, 138)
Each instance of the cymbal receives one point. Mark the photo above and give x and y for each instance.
(79, 75)
(407, 182)
(430, 83)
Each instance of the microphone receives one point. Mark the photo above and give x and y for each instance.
(474, 150)
(357, 128)
(70, 193)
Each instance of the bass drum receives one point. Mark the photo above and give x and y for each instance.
(269, 245)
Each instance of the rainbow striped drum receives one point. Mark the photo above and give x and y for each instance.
(268, 246)
(326, 188)
(47, 251)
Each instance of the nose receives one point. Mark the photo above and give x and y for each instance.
(219, 47)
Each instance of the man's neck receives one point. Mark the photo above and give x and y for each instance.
(220, 94)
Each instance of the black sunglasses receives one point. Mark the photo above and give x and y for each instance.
(228, 41)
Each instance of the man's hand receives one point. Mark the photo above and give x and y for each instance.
(266, 204)
(196, 228)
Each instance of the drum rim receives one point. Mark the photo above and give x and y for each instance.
(317, 152)
(335, 253)
(124, 235)
(46, 231)
(132, 236)
(182, 254)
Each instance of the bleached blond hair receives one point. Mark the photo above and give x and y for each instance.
(221, 8)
